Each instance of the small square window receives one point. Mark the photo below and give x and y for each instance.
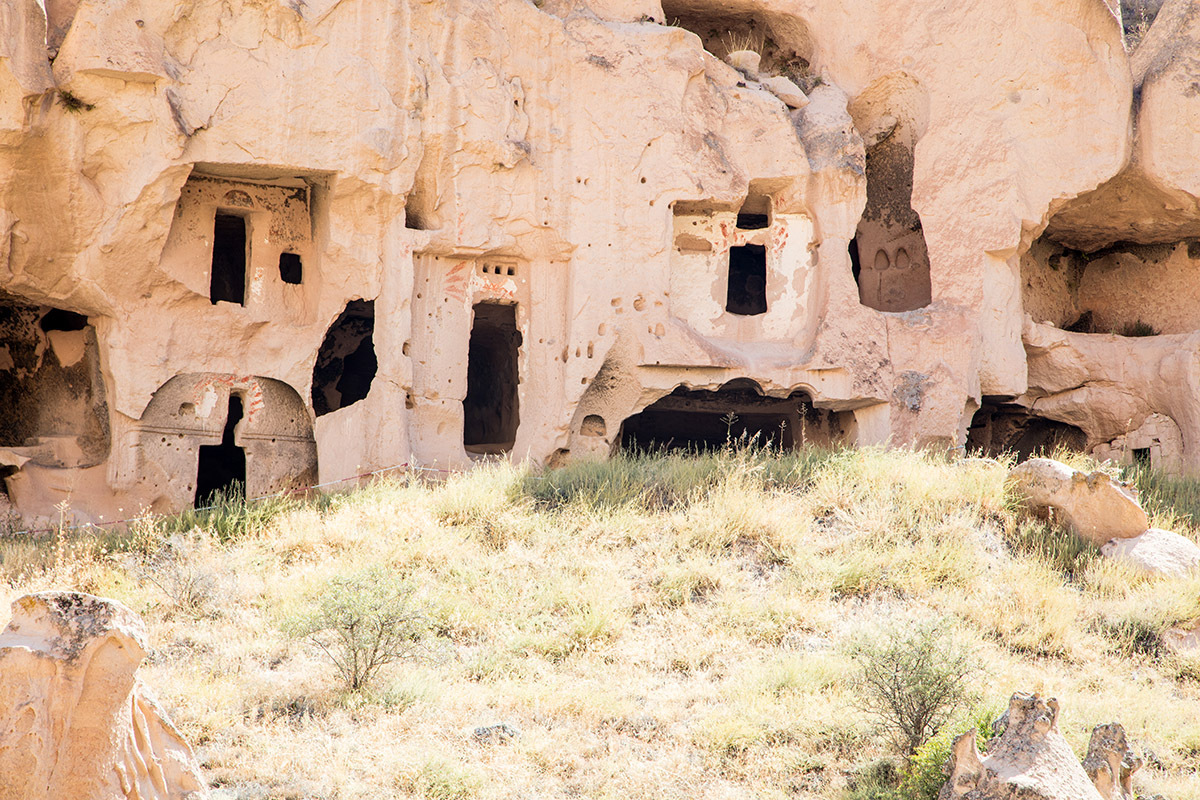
(291, 268)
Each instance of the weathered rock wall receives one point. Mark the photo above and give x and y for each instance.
(213, 184)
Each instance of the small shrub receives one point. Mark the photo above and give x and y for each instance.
(188, 570)
(914, 678)
(363, 622)
(73, 104)
(1139, 328)
(439, 779)
(924, 777)
(878, 780)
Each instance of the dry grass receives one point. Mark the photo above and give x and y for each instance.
(657, 628)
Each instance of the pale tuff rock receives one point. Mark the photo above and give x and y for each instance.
(786, 90)
(75, 722)
(1030, 760)
(1094, 506)
(745, 61)
(1156, 552)
(1110, 762)
(291, 243)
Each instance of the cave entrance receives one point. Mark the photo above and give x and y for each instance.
(221, 470)
(747, 292)
(346, 363)
(888, 256)
(491, 412)
(228, 281)
(736, 414)
(999, 428)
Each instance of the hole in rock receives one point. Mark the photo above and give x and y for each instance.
(52, 395)
(593, 425)
(737, 414)
(291, 268)
(889, 255)
(747, 293)
(999, 428)
(221, 470)
(491, 411)
(56, 319)
(228, 281)
(1141, 456)
(346, 363)
(753, 222)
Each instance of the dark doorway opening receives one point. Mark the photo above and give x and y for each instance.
(291, 268)
(491, 411)
(228, 281)
(1142, 457)
(346, 363)
(999, 428)
(747, 293)
(737, 414)
(221, 471)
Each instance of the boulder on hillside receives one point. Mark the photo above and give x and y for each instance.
(1029, 761)
(75, 721)
(1110, 762)
(1157, 552)
(1093, 506)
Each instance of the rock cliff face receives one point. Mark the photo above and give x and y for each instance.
(288, 242)
(74, 720)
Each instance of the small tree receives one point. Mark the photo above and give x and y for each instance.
(914, 678)
(362, 622)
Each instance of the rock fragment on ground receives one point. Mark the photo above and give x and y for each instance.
(75, 721)
(1156, 552)
(786, 90)
(1094, 506)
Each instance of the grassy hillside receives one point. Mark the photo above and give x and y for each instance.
(648, 628)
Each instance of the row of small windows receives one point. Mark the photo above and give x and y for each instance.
(230, 253)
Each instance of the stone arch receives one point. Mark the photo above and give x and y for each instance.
(889, 256)
(190, 411)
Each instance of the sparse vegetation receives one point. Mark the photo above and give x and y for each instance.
(654, 627)
(914, 678)
(362, 623)
(73, 104)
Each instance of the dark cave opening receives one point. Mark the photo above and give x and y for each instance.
(346, 363)
(1000, 427)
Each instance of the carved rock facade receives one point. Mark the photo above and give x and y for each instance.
(286, 243)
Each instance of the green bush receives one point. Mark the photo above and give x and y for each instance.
(363, 622)
(914, 678)
(925, 778)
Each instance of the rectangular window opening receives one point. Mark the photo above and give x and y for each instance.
(753, 222)
(1141, 456)
(228, 281)
(747, 294)
(490, 409)
(291, 268)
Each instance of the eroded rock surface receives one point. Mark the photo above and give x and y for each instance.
(75, 721)
(306, 241)
(1094, 506)
(1031, 760)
